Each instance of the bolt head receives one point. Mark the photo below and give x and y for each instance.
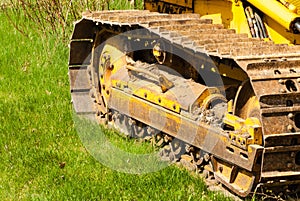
(221, 169)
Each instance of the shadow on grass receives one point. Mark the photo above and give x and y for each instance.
(95, 139)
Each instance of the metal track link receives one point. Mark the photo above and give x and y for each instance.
(161, 23)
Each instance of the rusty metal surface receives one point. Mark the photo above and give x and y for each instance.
(184, 92)
(79, 78)
(217, 41)
(277, 87)
(160, 23)
(80, 52)
(238, 180)
(273, 70)
(80, 90)
(198, 134)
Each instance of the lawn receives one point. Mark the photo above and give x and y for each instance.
(42, 156)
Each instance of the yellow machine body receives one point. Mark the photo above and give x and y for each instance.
(276, 16)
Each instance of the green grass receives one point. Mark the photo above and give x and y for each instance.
(37, 135)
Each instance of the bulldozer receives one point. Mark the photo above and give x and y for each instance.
(215, 83)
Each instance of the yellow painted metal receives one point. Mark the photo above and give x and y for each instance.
(157, 98)
(229, 13)
(230, 106)
(206, 95)
(111, 60)
(245, 132)
(255, 130)
(233, 73)
(277, 16)
(290, 6)
(156, 52)
(219, 11)
(276, 11)
(185, 3)
(229, 173)
(150, 93)
(239, 20)
(296, 3)
(278, 34)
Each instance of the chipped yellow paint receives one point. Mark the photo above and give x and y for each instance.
(245, 132)
(149, 94)
(241, 179)
(112, 59)
(157, 98)
(207, 95)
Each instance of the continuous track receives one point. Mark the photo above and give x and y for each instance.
(272, 70)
